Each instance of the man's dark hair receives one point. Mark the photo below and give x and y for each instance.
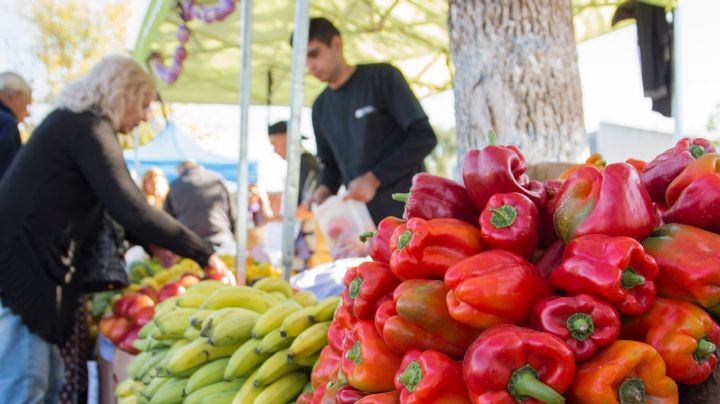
(320, 29)
(277, 128)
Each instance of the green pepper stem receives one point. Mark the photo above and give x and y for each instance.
(630, 278)
(411, 376)
(402, 197)
(354, 288)
(492, 137)
(524, 383)
(503, 216)
(697, 151)
(632, 391)
(354, 353)
(581, 326)
(367, 235)
(404, 239)
(704, 349)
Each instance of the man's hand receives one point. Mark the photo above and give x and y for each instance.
(363, 188)
(321, 193)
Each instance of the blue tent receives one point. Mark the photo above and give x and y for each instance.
(171, 147)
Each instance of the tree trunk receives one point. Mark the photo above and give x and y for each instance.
(516, 72)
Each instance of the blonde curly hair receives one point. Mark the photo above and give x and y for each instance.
(116, 83)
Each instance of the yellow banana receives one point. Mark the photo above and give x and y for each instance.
(151, 363)
(279, 296)
(194, 299)
(224, 397)
(125, 388)
(232, 331)
(227, 314)
(155, 344)
(308, 361)
(197, 352)
(326, 308)
(166, 305)
(248, 392)
(273, 342)
(284, 389)
(200, 316)
(128, 400)
(170, 392)
(306, 298)
(274, 285)
(173, 323)
(209, 373)
(240, 296)
(141, 344)
(273, 369)
(211, 389)
(299, 321)
(147, 329)
(208, 285)
(309, 342)
(244, 360)
(274, 317)
(133, 368)
(149, 391)
(191, 333)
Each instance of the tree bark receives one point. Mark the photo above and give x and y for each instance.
(516, 72)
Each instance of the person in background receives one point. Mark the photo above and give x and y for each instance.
(155, 187)
(72, 167)
(372, 134)
(309, 164)
(15, 97)
(199, 199)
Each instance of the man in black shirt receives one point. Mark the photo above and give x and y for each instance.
(371, 132)
(15, 97)
(309, 165)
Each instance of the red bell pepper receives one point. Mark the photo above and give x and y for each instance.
(660, 172)
(494, 287)
(694, 196)
(689, 261)
(434, 197)
(550, 258)
(390, 397)
(337, 393)
(584, 322)
(626, 372)
(379, 241)
(305, 398)
(326, 368)
(613, 202)
(367, 362)
(418, 318)
(509, 364)
(546, 228)
(684, 335)
(430, 377)
(639, 166)
(616, 269)
(425, 249)
(365, 286)
(510, 222)
(498, 169)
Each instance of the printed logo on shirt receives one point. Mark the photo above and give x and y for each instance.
(361, 112)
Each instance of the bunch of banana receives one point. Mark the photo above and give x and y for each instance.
(231, 327)
(245, 297)
(196, 295)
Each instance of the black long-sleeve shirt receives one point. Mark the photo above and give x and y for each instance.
(72, 163)
(374, 123)
(9, 138)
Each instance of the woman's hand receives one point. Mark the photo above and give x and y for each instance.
(217, 270)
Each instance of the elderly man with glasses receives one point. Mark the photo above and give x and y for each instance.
(15, 97)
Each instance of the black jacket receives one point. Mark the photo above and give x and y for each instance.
(72, 164)
(9, 138)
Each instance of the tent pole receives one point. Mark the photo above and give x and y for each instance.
(241, 227)
(300, 41)
(676, 72)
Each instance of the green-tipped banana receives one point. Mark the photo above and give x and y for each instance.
(172, 324)
(211, 389)
(326, 308)
(233, 330)
(199, 316)
(244, 360)
(170, 392)
(155, 344)
(149, 391)
(196, 353)
(240, 296)
(273, 342)
(274, 317)
(125, 388)
(191, 333)
(147, 329)
(141, 345)
(248, 392)
(306, 362)
(284, 389)
(166, 305)
(274, 285)
(306, 298)
(299, 321)
(225, 397)
(273, 369)
(129, 400)
(206, 286)
(309, 342)
(208, 374)
(217, 316)
(193, 300)
(151, 363)
(136, 364)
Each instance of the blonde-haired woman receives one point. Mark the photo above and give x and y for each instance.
(71, 166)
(155, 187)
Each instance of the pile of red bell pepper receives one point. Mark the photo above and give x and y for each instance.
(599, 286)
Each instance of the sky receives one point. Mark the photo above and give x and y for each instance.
(609, 70)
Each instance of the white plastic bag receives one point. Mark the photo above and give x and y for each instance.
(342, 222)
